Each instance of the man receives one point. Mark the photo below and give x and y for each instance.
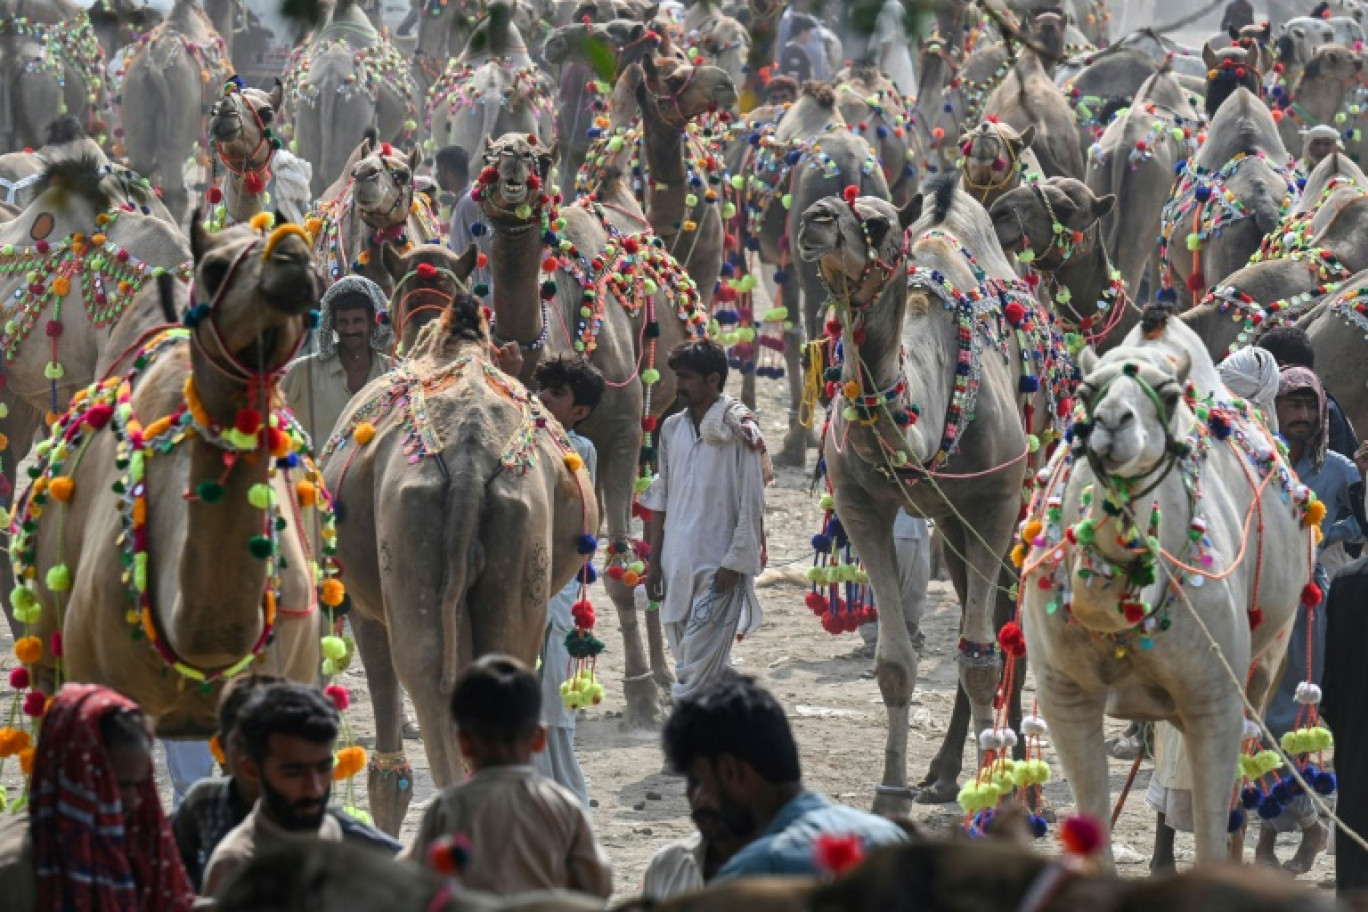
(1318, 142)
(732, 742)
(288, 731)
(351, 353)
(708, 503)
(1345, 685)
(913, 548)
(1302, 420)
(813, 43)
(796, 59)
(468, 227)
(451, 167)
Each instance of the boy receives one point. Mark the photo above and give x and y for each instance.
(570, 388)
(525, 832)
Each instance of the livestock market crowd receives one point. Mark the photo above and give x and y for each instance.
(418, 337)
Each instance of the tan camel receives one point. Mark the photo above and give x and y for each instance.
(994, 159)
(169, 78)
(681, 180)
(1132, 632)
(1337, 329)
(873, 108)
(156, 576)
(458, 30)
(717, 39)
(51, 63)
(941, 103)
(472, 104)
(1328, 91)
(244, 145)
(373, 205)
(462, 511)
(640, 312)
(1029, 97)
(1134, 161)
(910, 429)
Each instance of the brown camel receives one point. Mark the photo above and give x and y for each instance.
(373, 205)
(903, 421)
(941, 104)
(541, 311)
(1338, 328)
(995, 159)
(51, 63)
(1327, 92)
(169, 76)
(188, 572)
(1027, 97)
(244, 145)
(1103, 87)
(717, 39)
(872, 108)
(462, 509)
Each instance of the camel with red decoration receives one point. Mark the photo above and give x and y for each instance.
(1028, 97)
(994, 158)
(373, 205)
(1148, 591)
(872, 107)
(244, 145)
(715, 38)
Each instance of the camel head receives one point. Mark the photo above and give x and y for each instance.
(1335, 62)
(382, 183)
(1228, 69)
(591, 41)
(253, 290)
(841, 233)
(1133, 396)
(1048, 218)
(1049, 28)
(991, 153)
(240, 126)
(514, 185)
(427, 280)
(1297, 40)
(676, 92)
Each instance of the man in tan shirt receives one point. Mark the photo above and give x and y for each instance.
(524, 831)
(352, 346)
(288, 731)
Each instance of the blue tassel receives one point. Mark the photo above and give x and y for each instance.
(780, 276)
(1249, 797)
(1028, 383)
(1281, 792)
(1039, 826)
(1269, 807)
(588, 575)
(821, 543)
(728, 270)
(1325, 784)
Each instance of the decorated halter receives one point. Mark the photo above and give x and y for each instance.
(1006, 169)
(426, 272)
(680, 120)
(254, 173)
(387, 230)
(873, 261)
(1174, 449)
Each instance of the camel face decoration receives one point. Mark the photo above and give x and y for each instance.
(1047, 218)
(995, 156)
(576, 40)
(382, 185)
(239, 126)
(516, 169)
(426, 281)
(841, 235)
(1132, 406)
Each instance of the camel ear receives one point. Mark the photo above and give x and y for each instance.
(465, 265)
(392, 261)
(367, 146)
(199, 238)
(1027, 137)
(415, 158)
(1102, 205)
(277, 95)
(911, 212)
(1208, 56)
(877, 228)
(1087, 360)
(1233, 32)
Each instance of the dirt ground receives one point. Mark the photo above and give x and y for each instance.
(831, 698)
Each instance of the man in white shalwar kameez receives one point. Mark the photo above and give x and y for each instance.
(707, 532)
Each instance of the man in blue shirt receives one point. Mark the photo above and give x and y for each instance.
(732, 742)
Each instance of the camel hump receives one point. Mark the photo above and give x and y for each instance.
(820, 92)
(81, 176)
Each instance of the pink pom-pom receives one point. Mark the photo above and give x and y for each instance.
(35, 701)
(340, 696)
(19, 678)
(1081, 836)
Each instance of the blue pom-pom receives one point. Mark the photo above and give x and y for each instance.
(882, 131)
(1269, 807)
(588, 575)
(477, 229)
(910, 170)
(727, 317)
(793, 156)
(780, 276)
(594, 132)
(1281, 793)
(1236, 821)
(1249, 797)
(1220, 427)
(1325, 784)
(1039, 826)
(821, 543)
(728, 270)
(587, 544)
(1293, 787)
(1167, 296)
(1203, 193)
(949, 108)
(1180, 167)
(1028, 383)
(752, 243)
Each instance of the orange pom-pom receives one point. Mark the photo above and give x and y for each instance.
(349, 762)
(364, 433)
(307, 493)
(630, 579)
(28, 649)
(1315, 513)
(62, 488)
(216, 748)
(26, 761)
(332, 592)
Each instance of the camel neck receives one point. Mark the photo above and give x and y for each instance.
(515, 260)
(666, 206)
(1320, 97)
(240, 205)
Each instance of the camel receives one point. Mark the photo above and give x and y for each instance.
(1328, 91)
(455, 29)
(716, 38)
(1297, 40)
(985, 69)
(373, 205)
(654, 291)
(1234, 191)
(1116, 628)
(51, 64)
(995, 159)
(346, 79)
(1028, 97)
(872, 107)
(1134, 160)
(902, 434)
(1104, 87)
(123, 552)
(462, 455)
(941, 102)
(1085, 290)
(1338, 329)
(163, 97)
(244, 144)
(118, 23)
(677, 177)
(471, 105)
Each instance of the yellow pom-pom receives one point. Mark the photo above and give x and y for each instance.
(313, 226)
(307, 493)
(60, 286)
(1019, 554)
(332, 592)
(1315, 513)
(364, 433)
(349, 762)
(262, 221)
(62, 488)
(26, 761)
(334, 647)
(573, 462)
(1032, 529)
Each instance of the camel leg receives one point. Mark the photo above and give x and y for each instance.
(941, 782)
(1211, 733)
(21, 426)
(748, 390)
(1075, 719)
(980, 675)
(794, 451)
(389, 791)
(655, 645)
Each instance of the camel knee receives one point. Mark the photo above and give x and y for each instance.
(980, 682)
(896, 681)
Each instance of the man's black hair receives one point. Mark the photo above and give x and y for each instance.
(453, 159)
(703, 357)
(1289, 346)
(733, 716)
(574, 373)
(286, 708)
(234, 697)
(497, 700)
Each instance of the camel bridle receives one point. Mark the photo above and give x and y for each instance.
(887, 268)
(247, 164)
(445, 298)
(673, 99)
(404, 199)
(1092, 395)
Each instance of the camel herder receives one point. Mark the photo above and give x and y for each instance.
(706, 528)
(1318, 142)
(352, 346)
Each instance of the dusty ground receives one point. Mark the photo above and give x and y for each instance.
(835, 709)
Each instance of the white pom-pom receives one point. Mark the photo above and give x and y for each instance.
(1251, 730)
(1009, 737)
(1308, 693)
(990, 739)
(640, 600)
(1034, 727)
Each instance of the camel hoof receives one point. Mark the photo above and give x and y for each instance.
(411, 731)
(892, 801)
(641, 699)
(794, 452)
(390, 792)
(663, 678)
(939, 792)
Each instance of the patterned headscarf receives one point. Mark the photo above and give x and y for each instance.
(382, 335)
(1302, 379)
(87, 854)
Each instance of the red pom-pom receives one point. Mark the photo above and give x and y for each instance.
(816, 602)
(615, 572)
(648, 423)
(850, 193)
(1015, 313)
(1196, 282)
(19, 678)
(253, 183)
(55, 644)
(833, 327)
(831, 624)
(837, 854)
(1081, 836)
(534, 182)
(97, 416)
(340, 696)
(386, 149)
(1134, 612)
(1012, 640)
(215, 196)
(851, 621)
(448, 855)
(481, 260)
(1311, 595)
(1255, 618)
(426, 271)
(35, 701)
(53, 328)
(248, 421)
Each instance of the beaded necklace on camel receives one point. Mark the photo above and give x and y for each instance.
(71, 43)
(1166, 127)
(379, 66)
(527, 87)
(110, 277)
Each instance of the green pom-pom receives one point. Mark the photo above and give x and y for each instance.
(1086, 532)
(59, 578)
(22, 598)
(210, 492)
(260, 547)
(334, 648)
(261, 496)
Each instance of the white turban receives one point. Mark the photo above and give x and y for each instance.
(1252, 374)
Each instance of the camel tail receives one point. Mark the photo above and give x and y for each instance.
(466, 503)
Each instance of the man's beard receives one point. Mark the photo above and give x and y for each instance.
(731, 822)
(294, 816)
